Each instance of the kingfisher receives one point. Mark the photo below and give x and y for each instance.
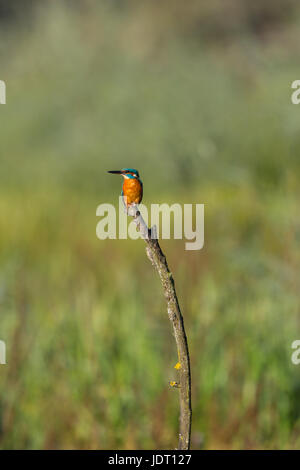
(132, 189)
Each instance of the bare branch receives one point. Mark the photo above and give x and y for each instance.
(158, 260)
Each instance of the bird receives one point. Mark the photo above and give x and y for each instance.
(132, 189)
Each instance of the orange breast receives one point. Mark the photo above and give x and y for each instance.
(133, 190)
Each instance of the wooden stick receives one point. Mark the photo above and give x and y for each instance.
(159, 261)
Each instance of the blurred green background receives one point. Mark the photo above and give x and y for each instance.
(196, 95)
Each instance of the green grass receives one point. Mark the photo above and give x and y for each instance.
(89, 346)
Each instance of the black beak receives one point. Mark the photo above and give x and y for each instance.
(116, 172)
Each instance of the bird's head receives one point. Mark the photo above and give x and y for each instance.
(126, 173)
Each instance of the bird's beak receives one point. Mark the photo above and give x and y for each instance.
(116, 172)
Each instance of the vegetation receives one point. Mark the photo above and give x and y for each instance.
(205, 119)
